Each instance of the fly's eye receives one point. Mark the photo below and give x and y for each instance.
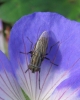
(33, 53)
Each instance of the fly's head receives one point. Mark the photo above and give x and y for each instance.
(33, 68)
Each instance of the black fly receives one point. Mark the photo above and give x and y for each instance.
(38, 54)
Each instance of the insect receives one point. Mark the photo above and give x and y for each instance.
(38, 54)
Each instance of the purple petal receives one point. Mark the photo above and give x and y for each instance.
(9, 87)
(66, 53)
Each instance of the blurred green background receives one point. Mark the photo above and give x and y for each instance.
(12, 10)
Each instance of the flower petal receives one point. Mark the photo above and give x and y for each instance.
(65, 94)
(9, 87)
(65, 54)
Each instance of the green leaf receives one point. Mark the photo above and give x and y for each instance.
(25, 95)
(12, 10)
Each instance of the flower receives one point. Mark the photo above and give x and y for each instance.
(60, 82)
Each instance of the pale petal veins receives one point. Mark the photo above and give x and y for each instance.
(9, 87)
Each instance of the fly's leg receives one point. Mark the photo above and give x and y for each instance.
(30, 42)
(39, 78)
(26, 53)
(50, 61)
(31, 48)
(49, 52)
(26, 70)
(51, 48)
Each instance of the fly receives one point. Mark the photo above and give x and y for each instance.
(38, 54)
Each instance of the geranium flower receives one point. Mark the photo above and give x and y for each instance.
(60, 82)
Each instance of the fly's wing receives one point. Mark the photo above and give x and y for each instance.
(42, 43)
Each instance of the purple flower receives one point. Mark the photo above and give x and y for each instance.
(60, 82)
